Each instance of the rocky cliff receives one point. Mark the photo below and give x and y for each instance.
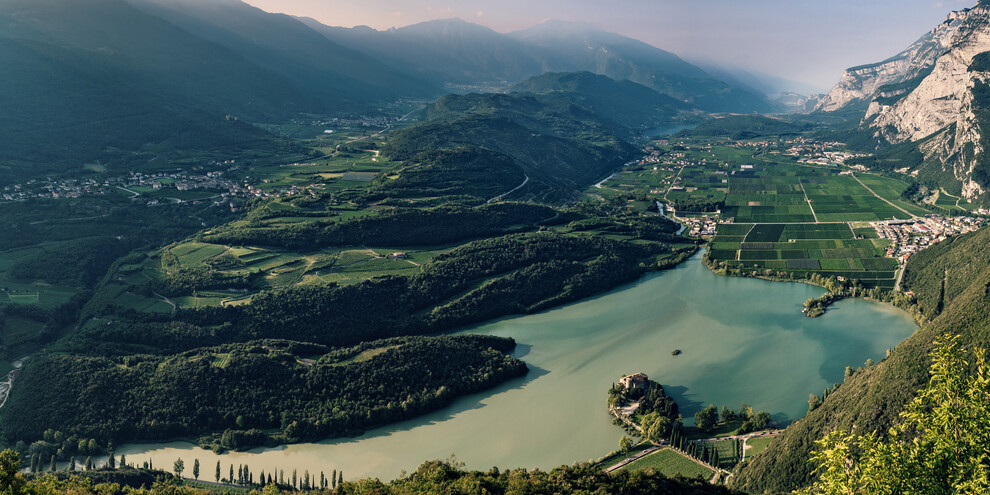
(932, 94)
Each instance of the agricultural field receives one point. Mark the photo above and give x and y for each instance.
(19, 291)
(785, 217)
(671, 463)
(264, 268)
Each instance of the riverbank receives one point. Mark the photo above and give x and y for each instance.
(837, 291)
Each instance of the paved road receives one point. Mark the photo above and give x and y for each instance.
(520, 186)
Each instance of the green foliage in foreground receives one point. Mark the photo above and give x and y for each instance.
(940, 448)
(257, 393)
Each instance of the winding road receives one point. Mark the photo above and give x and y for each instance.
(520, 186)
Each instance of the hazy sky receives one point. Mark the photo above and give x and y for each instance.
(805, 40)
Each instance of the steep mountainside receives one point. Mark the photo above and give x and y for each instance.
(120, 82)
(626, 103)
(859, 84)
(338, 77)
(459, 53)
(446, 51)
(951, 280)
(559, 146)
(933, 97)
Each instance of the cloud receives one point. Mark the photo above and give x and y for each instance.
(480, 13)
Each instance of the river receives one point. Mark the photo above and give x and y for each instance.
(741, 340)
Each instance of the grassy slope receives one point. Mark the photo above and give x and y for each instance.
(872, 399)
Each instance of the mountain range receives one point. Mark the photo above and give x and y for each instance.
(128, 81)
(456, 53)
(930, 102)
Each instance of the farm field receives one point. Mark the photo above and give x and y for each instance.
(785, 217)
(251, 269)
(671, 463)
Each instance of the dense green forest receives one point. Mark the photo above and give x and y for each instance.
(245, 391)
(871, 398)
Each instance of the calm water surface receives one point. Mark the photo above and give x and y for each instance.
(742, 340)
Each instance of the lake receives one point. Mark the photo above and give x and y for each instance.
(742, 340)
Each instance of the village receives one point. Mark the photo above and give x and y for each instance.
(138, 184)
(910, 236)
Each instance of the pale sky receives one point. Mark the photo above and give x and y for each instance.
(811, 41)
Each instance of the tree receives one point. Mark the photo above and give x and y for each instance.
(53, 467)
(231, 478)
(72, 463)
(111, 462)
(89, 463)
(706, 419)
(196, 469)
(12, 482)
(625, 443)
(941, 446)
(123, 460)
(813, 402)
(218, 472)
(178, 466)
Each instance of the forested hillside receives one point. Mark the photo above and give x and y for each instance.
(871, 398)
(245, 391)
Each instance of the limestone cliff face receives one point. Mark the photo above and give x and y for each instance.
(859, 84)
(926, 95)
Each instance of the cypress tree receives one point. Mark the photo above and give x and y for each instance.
(294, 479)
(340, 479)
(218, 472)
(261, 477)
(123, 460)
(231, 478)
(333, 479)
(89, 463)
(53, 467)
(111, 462)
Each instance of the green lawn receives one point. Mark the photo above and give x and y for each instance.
(757, 445)
(671, 463)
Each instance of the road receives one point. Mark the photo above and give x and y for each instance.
(520, 186)
(806, 198)
(883, 199)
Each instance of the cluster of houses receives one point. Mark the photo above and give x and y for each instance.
(910, 236)
(51, 188)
